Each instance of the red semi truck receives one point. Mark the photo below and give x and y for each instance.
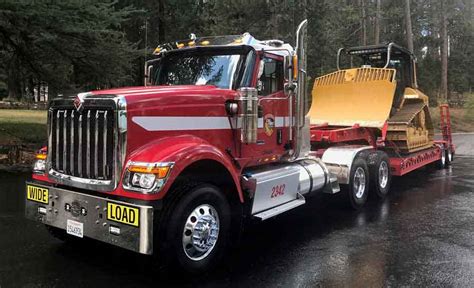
(217, 134)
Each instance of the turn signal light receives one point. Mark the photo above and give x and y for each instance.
(295, 67)
(160, 172)
(41, 156)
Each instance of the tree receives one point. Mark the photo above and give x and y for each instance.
(444, 52)
(363, 22)
(64, 43)
(377, 23)
(409, 29)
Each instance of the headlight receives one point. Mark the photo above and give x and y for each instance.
(143, 180)
(40, 164)
(146, 177)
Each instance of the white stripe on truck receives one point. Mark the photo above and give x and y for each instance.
(176, 123)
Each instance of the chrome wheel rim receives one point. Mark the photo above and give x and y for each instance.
(450, 156)
(200, 232)
(383, 174)
(443, 159)
(359, 182)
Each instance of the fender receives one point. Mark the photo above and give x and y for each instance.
(183, 151)
(339, 160)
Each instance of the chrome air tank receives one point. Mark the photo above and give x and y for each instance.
(313, 175)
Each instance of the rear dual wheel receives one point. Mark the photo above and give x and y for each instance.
(377, 177)
(380, 175)
(358, 188)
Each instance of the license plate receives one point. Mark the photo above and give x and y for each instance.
(75, 228)
(37, 194)
(123, 214)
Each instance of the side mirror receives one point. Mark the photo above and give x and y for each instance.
(248, 109)
(147, 76)
(289, 70)
(287, 66)
(148, 69)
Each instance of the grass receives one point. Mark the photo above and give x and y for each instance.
(22, 127)
(461, 119)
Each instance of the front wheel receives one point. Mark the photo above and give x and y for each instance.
(358, 188)
(198, 228)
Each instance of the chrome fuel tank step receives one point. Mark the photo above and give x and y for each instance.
(280, 209)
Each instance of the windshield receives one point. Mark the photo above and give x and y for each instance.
(197, 69)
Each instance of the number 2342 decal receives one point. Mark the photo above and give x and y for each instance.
(278, 190)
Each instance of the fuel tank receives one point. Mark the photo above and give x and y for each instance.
(275, 185)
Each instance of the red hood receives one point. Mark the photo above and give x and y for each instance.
(160, 90)
(149, 97)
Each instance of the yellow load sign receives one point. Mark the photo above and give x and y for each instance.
(123, 214)
(361, 96)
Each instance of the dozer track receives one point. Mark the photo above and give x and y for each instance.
(410, 128)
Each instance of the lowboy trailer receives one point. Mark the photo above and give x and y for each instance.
(223, 131)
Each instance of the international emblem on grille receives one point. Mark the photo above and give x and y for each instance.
(78, 101)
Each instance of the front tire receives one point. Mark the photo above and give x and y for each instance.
(358, 188)
(198, 228)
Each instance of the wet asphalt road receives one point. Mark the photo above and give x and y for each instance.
(422, 235)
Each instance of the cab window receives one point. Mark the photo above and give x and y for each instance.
(272, 76)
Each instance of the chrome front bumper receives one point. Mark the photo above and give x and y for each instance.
(64, 205)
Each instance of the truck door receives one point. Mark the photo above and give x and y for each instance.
(273, 120)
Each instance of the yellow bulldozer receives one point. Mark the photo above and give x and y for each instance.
(379, 90)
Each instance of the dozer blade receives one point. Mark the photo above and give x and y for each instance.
(361, 96)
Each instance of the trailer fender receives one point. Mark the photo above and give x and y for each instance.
(339, 160)
(182, 152)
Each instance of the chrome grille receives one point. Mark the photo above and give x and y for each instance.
(83, 142)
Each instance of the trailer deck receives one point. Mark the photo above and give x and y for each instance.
(323, 136)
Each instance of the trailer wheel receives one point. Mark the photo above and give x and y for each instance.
(380, 175)
(441, 163)
(449, 157)
(358, 188)
(198, 229)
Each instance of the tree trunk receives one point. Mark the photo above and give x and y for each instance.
(273, 21)
(161, 21)
(377, 23)
(409, 29)
(13, 82)
(363, 23)
(444, 53)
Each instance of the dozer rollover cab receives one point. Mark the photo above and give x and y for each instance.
(381, 94)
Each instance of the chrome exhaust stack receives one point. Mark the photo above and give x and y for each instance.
(301, 125)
